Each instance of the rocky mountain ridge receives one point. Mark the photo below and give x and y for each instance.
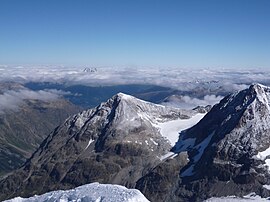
(119, 141)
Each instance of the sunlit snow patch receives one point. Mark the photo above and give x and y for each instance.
(266, 186)
(263, 156)
(90, 141)
(168, 155)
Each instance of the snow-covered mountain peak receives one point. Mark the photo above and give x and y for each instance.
(241, 100)
(258, 86)
(261, 92)
(124, 96)
(133, 100)
(258, 89)
(235, 132)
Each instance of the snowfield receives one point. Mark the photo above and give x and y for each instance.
(171, 129)
(93, 192)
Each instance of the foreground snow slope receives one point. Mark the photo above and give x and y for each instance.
(93, 192)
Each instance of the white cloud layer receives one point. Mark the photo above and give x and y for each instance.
(171, 77)
(205, 84)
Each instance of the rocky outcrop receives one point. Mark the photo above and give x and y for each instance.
(158, 183)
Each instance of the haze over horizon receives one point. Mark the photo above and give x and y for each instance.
(198, 34)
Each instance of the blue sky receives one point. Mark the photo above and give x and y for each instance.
(149, 33)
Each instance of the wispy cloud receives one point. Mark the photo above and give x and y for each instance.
(12, 100)
(188, 102)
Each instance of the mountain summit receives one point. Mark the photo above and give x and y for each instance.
(228, 151)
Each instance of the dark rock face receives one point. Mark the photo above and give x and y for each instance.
(158, 184)
(22, 131)
(203, 109)
(223, 149)
(116, 142)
